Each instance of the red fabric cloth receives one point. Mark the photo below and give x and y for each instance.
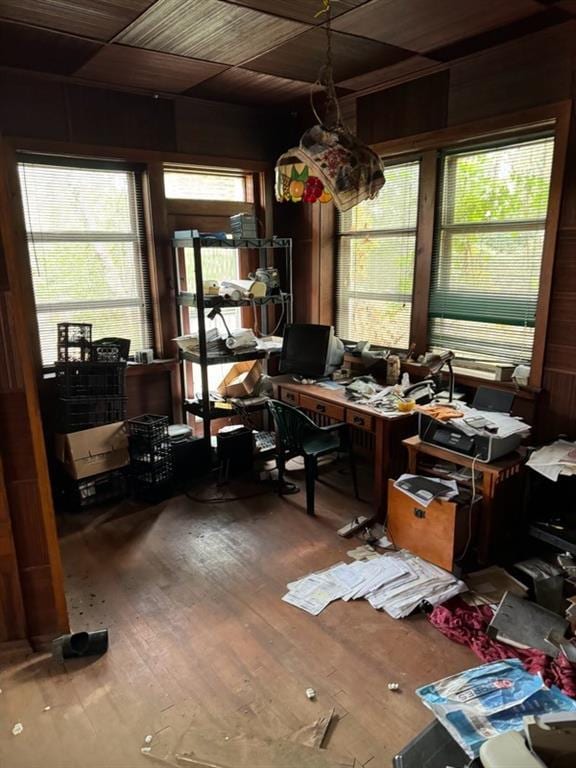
(467, 625)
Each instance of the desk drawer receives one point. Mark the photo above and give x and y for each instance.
(319, 406)
(287, 396)
(360, 420)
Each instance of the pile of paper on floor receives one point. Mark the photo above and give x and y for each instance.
(554, 460)
(397, 583)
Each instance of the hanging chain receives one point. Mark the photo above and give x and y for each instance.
(326, 75)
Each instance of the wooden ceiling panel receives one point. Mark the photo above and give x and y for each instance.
(568, 5)
(41, 50)
(243, 86)
(300, 10)
(139, 68)
(302, 58)
(100, 19)
(402, 70)
(422, 25)
(208, 29)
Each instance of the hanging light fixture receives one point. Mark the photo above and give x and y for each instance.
(330, 163)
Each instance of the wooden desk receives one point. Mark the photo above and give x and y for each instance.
(372, 432)
(493, 476)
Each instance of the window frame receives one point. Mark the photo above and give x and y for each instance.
(138, 213)
(553, 119)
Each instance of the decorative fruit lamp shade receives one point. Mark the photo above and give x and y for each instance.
(330, 164)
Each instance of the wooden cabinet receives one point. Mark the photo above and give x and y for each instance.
(287, 396)
(438, 533)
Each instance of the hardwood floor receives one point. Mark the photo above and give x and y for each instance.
(198, 634)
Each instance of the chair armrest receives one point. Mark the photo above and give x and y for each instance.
(333, 427)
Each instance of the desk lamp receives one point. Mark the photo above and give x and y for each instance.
(436, 361)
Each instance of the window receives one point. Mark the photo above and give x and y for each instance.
(488, 253)
(376, 253)
(184, 184)
(85, 240)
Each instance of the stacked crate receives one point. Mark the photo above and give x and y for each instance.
(151, 461)
(90, 392)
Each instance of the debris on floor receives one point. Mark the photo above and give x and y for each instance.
(489, 700)
(201, 746)
(393, 686)
(397, 582)
(355, 525)
(310, 693)
(17, 729)
(363, 552)
(47, 709)
(490, 585)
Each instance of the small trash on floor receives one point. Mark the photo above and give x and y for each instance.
(314, 735)
(393, 686)
(310, 693)
(356, 524)
(148, 739)
(47, 709)
(363, 552)
(17, 729)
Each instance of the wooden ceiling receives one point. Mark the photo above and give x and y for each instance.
(256, 51)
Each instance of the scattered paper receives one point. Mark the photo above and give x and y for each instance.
(397, 583)
(554, 460)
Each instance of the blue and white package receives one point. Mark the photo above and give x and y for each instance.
(494, 698)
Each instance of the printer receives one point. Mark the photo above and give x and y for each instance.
(485, 433)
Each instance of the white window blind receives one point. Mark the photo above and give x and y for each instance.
(376, 253)
(488, 253)
(86, 246)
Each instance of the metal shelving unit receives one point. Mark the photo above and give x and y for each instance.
(201, 303)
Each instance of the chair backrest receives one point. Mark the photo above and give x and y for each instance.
(291, 426)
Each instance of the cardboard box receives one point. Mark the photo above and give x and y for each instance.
(241, 380)
(93, 451)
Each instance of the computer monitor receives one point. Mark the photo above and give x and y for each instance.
(311, 351)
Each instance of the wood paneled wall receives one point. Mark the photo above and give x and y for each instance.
(535, 70)
(34, 547)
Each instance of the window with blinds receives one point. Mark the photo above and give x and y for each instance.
(488, 252)
(376, 253)
(86, 243)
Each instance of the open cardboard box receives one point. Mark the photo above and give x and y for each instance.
(93, 451)
(241, 380)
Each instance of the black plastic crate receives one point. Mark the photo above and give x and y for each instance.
(148, 429)
(93, 491)
(149, 455)
(74, 342)
(77, 379)
(86, 412)
(110, 349)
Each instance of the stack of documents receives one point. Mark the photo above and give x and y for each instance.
(396, 582)
(242, 338)
(475, 422)
(425, 489)
(191, 341)
(554, 460)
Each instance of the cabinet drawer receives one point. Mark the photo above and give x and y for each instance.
(287, 396)
(318, 406)
(360, 420)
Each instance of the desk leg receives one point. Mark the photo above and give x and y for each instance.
(381, 461)
(412, 461)
(486, 520)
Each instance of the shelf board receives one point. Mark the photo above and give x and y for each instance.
(247, 242)
(224, 357)
(195, 408)
(191, 300)
(562, 540)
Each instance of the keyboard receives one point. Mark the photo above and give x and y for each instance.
(264, 441)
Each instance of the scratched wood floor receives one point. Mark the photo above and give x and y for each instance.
(191, 595)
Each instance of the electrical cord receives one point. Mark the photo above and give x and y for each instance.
(470, 510)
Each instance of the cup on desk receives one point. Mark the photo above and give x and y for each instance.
(406, 405)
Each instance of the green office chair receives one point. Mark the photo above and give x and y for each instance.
(298, 435)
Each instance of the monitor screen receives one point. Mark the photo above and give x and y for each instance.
(305, 350)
